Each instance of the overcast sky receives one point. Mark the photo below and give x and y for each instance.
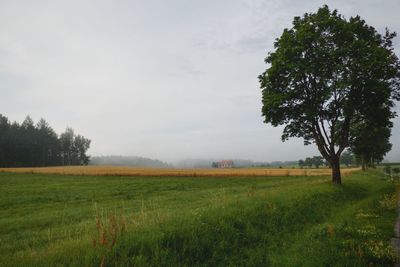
(163, 79)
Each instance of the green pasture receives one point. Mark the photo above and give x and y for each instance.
(51, 220)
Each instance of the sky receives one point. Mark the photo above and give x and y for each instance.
(163, 79)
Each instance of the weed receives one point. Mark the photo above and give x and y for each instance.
(109, 230)
(389, 201)
(251, 192)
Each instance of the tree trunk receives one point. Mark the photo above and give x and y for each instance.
(336, 176)
(363, 163)
(363, 167)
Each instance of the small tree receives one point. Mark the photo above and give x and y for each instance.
(324, 75)
(301, 163)
(347, 158)
(308, 162)
(317, 161)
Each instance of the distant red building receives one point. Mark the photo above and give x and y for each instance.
(225, 164)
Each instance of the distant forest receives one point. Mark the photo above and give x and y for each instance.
(32, 145)
(128, 161)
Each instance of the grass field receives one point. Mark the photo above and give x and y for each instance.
(57, 220)
(135, 171)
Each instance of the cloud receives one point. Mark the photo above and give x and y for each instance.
(172, 80)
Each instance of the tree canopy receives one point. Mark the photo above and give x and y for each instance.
(326, 75)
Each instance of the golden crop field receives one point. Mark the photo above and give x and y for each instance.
(137, 171)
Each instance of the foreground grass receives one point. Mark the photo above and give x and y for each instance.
(49, 220)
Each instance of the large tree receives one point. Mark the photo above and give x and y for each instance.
(370, 144)
(67, 146)
(4, 140)
(49, 150)
(81, 145)
(325, 74)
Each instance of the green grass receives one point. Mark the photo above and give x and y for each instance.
(50, 220)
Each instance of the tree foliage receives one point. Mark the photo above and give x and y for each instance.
(27, 144)
(317, 161)
(308, 162)
(327, 74)
(301, 163)
(370, 142)
(347, 158)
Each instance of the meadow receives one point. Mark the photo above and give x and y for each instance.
(92, 220)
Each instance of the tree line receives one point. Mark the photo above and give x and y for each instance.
(32, 145)
(364, 158)
(317, 161)
(347, 158)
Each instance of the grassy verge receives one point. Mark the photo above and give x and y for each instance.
(48, 220)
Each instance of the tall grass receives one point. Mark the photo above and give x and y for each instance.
(50, 220)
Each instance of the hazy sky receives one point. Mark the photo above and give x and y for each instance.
(163, 79)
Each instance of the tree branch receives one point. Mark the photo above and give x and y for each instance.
(344, 134)
(324, 131)
(320, 141)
